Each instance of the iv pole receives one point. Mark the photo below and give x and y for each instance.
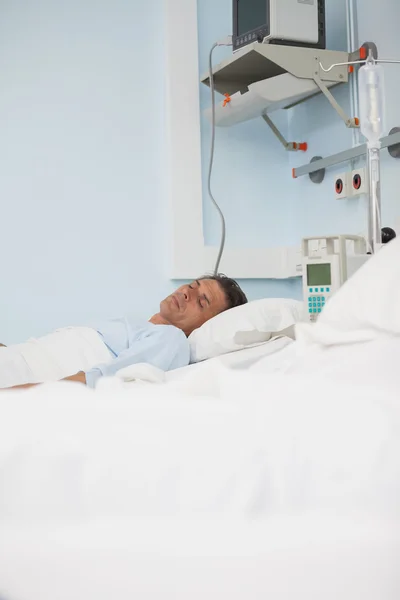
(374, 213)
(371, 121)
(371, 86)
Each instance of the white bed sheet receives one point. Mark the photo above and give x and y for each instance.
(242, 359)
(283, 558)
(264, 447)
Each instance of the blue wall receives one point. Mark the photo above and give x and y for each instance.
(82, 160)
(81, 163)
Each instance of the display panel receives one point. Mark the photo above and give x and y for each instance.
(319, 274)
(251, 15)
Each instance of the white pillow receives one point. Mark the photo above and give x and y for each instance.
(366, 308)
(244, 326)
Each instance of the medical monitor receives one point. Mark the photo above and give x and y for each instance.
(328, 262)
(285, 22)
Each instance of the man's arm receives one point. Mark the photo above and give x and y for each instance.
(158, 348)
(78, 377)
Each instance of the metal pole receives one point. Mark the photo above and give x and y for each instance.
(352, 45)
(374, 212)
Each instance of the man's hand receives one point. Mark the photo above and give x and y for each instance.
(78, 378)
(3, 346)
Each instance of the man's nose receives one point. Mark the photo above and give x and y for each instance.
(186, 294)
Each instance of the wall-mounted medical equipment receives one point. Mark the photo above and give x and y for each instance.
(262, 78)
(293, 22)
(351, 184)
(327, 264)
(316, 168)
(371, 93)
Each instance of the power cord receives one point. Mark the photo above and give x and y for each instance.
(224, 42)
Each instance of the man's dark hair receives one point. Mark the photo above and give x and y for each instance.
(234, 294)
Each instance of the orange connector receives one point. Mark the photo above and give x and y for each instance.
(303, 146)
(363, 54)
(351, 69)
(294, 173)
(227, 100)
(357, 121)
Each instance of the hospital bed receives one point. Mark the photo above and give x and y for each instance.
(226, 482)
(258, 491)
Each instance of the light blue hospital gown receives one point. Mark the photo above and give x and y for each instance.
(162, 346)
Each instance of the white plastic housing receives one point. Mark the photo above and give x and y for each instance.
(294, 20)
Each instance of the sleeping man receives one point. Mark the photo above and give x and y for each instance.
(84, 354)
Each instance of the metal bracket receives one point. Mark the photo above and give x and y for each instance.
(351, 123)
(391, 141)
(394, 149)
(290, 146)
(317, 176)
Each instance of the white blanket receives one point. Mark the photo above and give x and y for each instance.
(52, 357)
(279, 558)
(318, 446)
(256, 443)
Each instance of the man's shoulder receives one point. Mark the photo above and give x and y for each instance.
(163, 335)
(174, 343)
(169, 332)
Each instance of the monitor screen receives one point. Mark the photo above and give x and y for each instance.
(252, 14)
(319, 274)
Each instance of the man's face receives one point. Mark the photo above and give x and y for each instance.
(193, 304)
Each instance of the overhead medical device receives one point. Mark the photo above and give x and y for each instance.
(294, 22)
(327, 264)
(262, 78)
